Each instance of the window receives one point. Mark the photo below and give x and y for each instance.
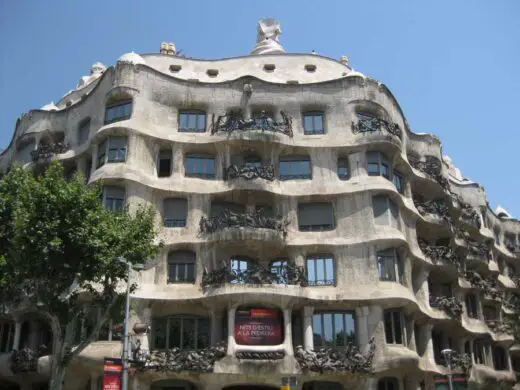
(394, 327)
(165, 163)
(295, 167)
(114, 198)
(6, 336)
(253, 162)
(377, 164)
(175, 211)
(313, 123)
(83, 131)
(479, 351)
(315, 217)
(239, 267)
(343, 171)
(321, 270)
(261, 119)
(333, 329)
(509, 241)
(496, 233)
(509, 270)
(118, 111)
(471, 305)
(389, 266)
(322, 385)
(184, 332)
(385, 211)
(113, 149)
(192, 121)
(398, 182)
(279, 268)
(199, 166)
(388, 384)
(181, 267)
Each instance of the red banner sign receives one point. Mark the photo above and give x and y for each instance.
(258, 327)
(112, 370)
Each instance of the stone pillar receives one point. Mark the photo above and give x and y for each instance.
(287, 317)
(17, 334)
(231, 331)
(410, 334)
(308, 336)
(362, 327)
(216, 327)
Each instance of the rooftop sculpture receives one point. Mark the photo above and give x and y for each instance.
(268, 31)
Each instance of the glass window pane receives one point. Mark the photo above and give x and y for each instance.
(373, 169)
(317, 330)
(284, 168)
(318, 123)
(203, 333)
(320, 271)
(159, 333)
(190, 272)
(311, 271)
(192, 121)
(210, 166)
(329, 270)
(175, 332)
(188, 333)
(339, 338)
(350, 328)
(201, 122)
(388, 328)
(328, 333)
(183, 121)
(398, 328)
(308, 123)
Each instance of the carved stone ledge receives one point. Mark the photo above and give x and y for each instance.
(449, 304)
(252, 355)
(229, 219)
(234, 121)
(249, 173)
(369, 125)
(255, 274)
(348, 359)
(439, 253)
(47, 151)
(177, 360)
(436, 207)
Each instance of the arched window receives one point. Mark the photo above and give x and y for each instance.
(118, 111)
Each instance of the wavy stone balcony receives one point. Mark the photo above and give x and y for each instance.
(436, 208)
(234, 121)
(336, 360)
(255, 274)
(451, 305)
(440, 254)
(431, 167)
(501, 327)
(247, 172)
(468, 214)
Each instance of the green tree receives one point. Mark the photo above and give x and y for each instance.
(58, 250)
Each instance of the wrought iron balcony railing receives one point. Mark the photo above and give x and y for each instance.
(46, 151)
(250, 172)
(256, 274)
(439, 253)
(512, 302)
(177, 360)
(498, 326)
(230, 220)
(235, 121)
(254, 355)
(328, 359)
(436, 207)
(468, 214)
(489, 286)
(431, 166)
(372, 124)
(449, 304)
(474, 248)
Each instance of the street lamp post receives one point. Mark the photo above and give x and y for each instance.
(448, 353)
(126, 344)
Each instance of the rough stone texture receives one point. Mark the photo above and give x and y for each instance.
(244, 84)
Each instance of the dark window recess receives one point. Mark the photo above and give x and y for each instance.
(471, 305)
(389, 266)
(118, 112)
(111, 150)
(114, 198)
(252, 161)
(83, 131)
(218, 207)
(321, 270)
(295, 167)
(181, 267)
(343, 168)
(278, 267)
(479, 354)
(175, 212)
(199, 166)
(313, 123)
(315, 217)
(388, 384)
(499, 358)
(333, 329)
(322, 385)
(393, 327)
(165, 163)
(184, 332)
(398, 182)
(192, 121)
(377, 164)
(239, 265)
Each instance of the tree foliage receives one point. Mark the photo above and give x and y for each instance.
(58, 250)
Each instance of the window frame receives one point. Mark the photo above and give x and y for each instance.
(182, 317)
(392, 339)
(391, 212)
(189, 113)
(9, 328)
(83, 131)
(113, 200)
(114, 105)
(344, 314)
(313, 115)
(346, 166)
(381, 162)
(241, 260)
(503, 359)
(279, 270)
(174, 222)
(182, 260)
(398, 180)
(292, 160)
(398, 267)
(480, 347)
(162, 152)
(326, 281)
(200, 175)
(317, 228)
(105, 149)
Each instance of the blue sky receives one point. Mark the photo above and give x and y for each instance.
(452, 65)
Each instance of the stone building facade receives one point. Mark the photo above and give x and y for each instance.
(309, 233)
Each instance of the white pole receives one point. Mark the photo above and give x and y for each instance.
(124, 380)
